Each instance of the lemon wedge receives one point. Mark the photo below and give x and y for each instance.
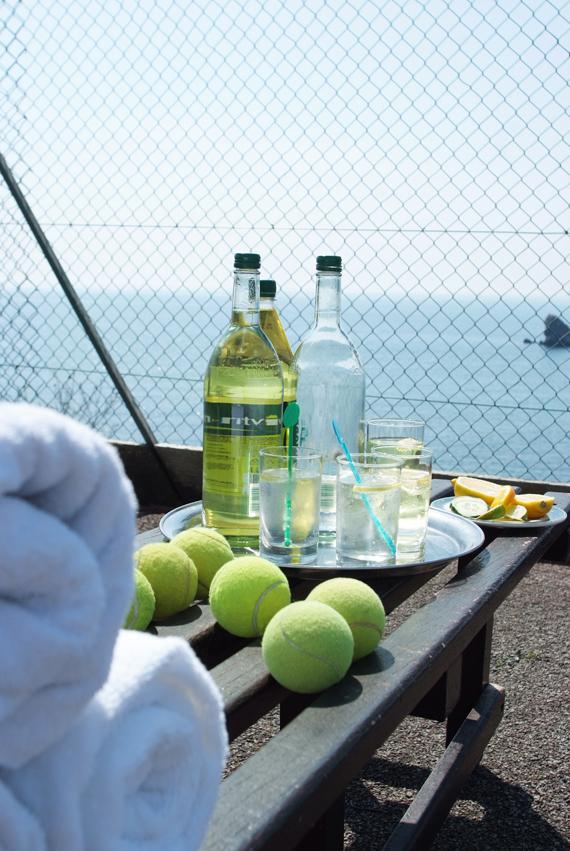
(537, 505)
(480, 488)
(506, 496)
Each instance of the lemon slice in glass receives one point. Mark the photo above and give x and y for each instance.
(377, 487)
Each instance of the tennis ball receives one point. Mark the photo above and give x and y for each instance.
(142, 609)
(359, 605)
(171, 573)
(307, 647)
(245, 594)
(208, 549)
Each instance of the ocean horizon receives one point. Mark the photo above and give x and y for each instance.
(492, 403)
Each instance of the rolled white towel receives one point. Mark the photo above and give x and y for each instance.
(141, 766)
(68, 521)
(19, 830)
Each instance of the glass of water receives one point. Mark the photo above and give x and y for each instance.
(374, 493)
(396, 435)
(415, 496)
(289, 495)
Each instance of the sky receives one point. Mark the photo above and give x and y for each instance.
(425, 142)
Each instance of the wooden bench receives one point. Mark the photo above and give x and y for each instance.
(290, 793)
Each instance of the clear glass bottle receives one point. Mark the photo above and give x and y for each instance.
(273, 327)
(243, 410)
(330, 385)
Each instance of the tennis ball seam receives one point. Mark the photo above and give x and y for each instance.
(260, 600)
(337, 670)
(367, 625)
(204, 533)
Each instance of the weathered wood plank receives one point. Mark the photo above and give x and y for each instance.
(182, 463)
(283, 789)
(441, 488)
(248, 690)
(442, 699)
(474, 675)
(198, 626)
(426, 814)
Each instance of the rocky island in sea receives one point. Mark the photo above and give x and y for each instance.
(556, 333)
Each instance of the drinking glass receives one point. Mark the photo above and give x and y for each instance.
(414, 498)
(400, 435)
(289, 494)
(374, 493)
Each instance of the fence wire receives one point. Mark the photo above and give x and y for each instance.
(426, 143)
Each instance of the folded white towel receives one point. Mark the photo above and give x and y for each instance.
(141, 766)
(67, 521)
(19, 830)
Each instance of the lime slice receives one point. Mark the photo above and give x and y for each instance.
(517, 513)
(404, 446)
(468, 506)
(409, 444)
(496, 513)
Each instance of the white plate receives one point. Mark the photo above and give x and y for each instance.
(555, 515)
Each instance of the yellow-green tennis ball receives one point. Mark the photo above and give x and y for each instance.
(171, 573)
(208, 549)
(307, 647)
(246, 593)
(359, 605)
(142, 609)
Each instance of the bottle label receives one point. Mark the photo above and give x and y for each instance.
(230, 419)
(233, 436)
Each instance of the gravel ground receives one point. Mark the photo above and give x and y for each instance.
(519, 796)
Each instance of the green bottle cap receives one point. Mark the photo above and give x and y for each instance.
(267, 289)
(329, 263)
(247, 261)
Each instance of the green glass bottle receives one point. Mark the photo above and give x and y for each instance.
(243, 410)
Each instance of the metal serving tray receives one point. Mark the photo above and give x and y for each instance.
(449, 536)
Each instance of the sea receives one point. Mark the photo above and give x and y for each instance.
(492, 403)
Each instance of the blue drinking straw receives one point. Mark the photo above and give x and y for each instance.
(364, 498)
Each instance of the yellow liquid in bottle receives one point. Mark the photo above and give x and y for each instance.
(272, 326)
(243, 395)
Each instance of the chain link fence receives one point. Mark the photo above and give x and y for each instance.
(426, 143)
